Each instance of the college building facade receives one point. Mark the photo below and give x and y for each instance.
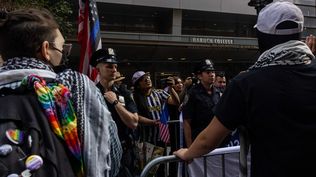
(169, 36)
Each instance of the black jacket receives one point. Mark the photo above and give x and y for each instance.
(21, 110)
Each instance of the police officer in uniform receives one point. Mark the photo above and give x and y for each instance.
(119, 102)
(199, 109)
(203, 97)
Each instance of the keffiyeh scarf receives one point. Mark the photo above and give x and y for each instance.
(289, 53)
(24, 63)
(94, 122)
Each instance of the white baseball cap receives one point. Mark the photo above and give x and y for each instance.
(137, 75)
(275, 13)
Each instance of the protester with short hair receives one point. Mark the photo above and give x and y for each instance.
(32, 45)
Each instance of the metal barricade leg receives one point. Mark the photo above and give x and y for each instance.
(244, 148)
(223, 165)
(205, 166)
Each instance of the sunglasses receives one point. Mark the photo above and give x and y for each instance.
(66, 48)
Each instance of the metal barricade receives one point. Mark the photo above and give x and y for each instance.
(173, 158)
(173, 121)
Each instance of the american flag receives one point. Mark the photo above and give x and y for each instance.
(163, 126)
(88, 35)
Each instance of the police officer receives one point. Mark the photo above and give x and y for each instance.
(199, 109)
(119, 102)
(202, 99)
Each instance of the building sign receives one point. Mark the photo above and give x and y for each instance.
(212, 40)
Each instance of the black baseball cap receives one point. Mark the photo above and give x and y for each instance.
(106, 55)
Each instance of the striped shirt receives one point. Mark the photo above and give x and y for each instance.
(155, 101)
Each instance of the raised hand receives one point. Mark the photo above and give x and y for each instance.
(311, 43)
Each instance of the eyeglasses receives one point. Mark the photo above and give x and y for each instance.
(66, 48)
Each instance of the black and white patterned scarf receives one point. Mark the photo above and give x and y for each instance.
(289, 53)
(24, 63)
(95, 124)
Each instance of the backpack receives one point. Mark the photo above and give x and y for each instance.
(28, 146)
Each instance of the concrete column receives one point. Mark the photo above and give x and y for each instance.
(176, 21)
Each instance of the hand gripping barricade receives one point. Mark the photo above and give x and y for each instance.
(28, 146)
(242, 150)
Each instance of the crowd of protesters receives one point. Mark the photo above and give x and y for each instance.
(115, 127)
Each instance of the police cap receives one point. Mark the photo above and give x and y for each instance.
(204, 65)
(106, 55)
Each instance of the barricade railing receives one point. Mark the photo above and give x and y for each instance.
(173, 121)
(173, 158)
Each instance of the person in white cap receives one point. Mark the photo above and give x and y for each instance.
(275, 100)
(150, 103)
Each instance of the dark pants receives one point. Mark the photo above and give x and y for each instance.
(128, 161)
(174, 143)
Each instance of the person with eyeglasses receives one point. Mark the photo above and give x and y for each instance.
(31, 44)
(65, 52)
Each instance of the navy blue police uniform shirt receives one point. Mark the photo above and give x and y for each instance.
(123, 96)
(200, 108)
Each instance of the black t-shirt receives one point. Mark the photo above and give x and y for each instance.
(124, 97)
(200, 108)
(277, 105)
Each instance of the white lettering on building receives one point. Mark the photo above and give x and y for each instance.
(212, 40)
